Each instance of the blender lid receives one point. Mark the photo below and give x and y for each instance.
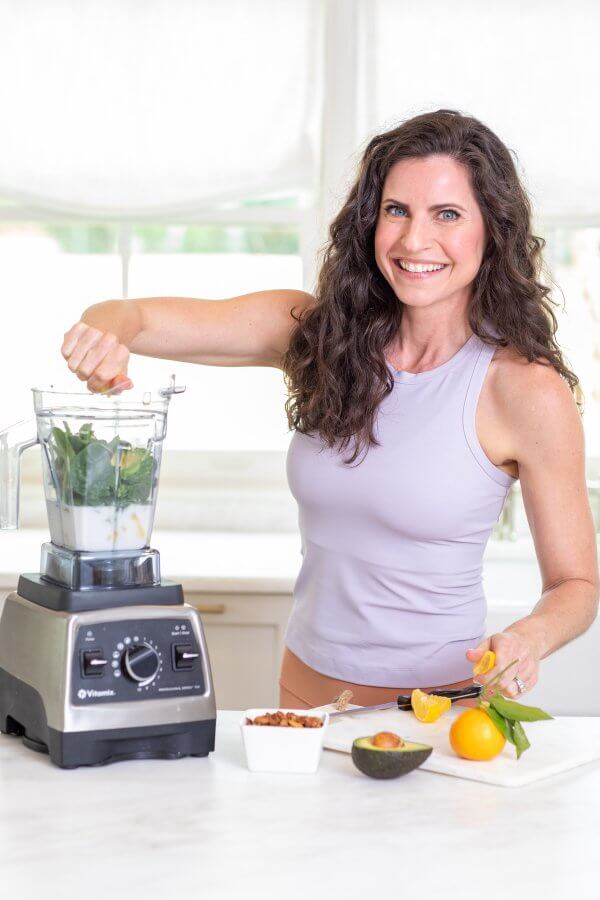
(127, 400)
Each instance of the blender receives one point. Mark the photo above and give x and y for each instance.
(100, 658)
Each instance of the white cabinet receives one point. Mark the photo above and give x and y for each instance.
(244, 633)
(568, 679)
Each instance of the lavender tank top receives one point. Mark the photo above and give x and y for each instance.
(390, 589)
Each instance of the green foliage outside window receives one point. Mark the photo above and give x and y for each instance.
(81, 237)
(78, 238)
(177, 239)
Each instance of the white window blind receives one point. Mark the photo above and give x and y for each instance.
(530, 71)
(131, 109)
(125, 112)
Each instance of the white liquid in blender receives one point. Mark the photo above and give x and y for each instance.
(100, 527)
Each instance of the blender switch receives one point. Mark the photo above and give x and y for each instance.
(92, 662)
(184, 656)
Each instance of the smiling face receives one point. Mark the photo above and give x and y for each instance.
(429, 217)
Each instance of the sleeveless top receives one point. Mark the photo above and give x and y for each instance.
(390, 589)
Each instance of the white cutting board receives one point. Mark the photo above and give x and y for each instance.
(556, 744)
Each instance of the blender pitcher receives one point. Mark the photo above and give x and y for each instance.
(100, 463)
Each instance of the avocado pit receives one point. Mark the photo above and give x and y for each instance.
(387, 740)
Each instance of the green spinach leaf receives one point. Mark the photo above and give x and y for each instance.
(93, 472)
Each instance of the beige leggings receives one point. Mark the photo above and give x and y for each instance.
(301, 687)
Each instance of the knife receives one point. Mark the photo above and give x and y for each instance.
(403, 700)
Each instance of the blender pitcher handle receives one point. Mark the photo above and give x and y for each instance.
(13, 441)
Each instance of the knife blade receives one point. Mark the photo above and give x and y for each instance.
(403, 700)
(362, 709)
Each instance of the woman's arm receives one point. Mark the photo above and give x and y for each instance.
(249, 330)
(541, 416)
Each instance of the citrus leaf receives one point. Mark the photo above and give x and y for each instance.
(520, 738)
(518, 712)
(501, 724)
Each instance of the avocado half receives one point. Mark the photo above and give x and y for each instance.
(388, 763)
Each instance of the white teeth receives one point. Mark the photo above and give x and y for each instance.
(411, 267)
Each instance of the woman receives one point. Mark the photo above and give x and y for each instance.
(428, 350)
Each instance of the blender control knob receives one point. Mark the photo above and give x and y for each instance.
(141, 662)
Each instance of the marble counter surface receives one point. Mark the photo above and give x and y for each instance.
(208, 828)
(200, 560)
(243, 562)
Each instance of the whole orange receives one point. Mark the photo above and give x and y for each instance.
(473, 735)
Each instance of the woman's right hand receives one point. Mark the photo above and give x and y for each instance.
(97, 358)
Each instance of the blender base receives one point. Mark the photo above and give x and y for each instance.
(22, 715)
(60, 598)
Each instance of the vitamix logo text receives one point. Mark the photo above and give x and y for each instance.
(90, 693)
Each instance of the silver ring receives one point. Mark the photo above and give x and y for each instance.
(521, 687)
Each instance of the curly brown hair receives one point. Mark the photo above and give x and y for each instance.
(334, 368)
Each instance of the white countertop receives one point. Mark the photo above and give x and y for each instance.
(200, 560)
(208, 828)
(230, 561)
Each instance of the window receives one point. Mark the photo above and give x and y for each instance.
(227, 181)
(573, 256)
(224, 408)
(59, 269)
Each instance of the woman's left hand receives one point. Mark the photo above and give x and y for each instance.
(508, 645)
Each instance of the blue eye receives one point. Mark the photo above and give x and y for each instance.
(453, 212)
(393, 206)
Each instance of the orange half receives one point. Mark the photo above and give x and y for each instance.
(485, 664)
(428, 707)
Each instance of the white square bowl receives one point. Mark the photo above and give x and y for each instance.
(272, 748)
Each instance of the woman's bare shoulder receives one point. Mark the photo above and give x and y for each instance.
(527, 391)
(513, 367)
